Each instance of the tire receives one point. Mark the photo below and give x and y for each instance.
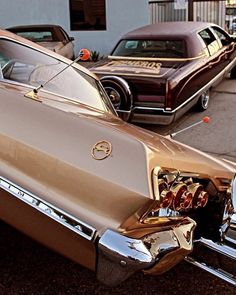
(233, 73)
(119, 92)
(203, 101)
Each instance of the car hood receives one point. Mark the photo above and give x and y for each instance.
(148, 67)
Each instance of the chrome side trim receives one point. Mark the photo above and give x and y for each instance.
(60, 216)
(123, 82)
(220, 248)
(228, 229)
(214, 271)
(223, 251)
(234, 194)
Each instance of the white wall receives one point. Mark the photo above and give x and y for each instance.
(122, 16)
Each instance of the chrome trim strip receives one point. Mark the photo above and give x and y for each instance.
(60, 216)
(234, 194)
(220, 248)
(229, 278)
(123, 82)
(229, 239)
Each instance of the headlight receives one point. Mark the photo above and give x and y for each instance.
(177, 190)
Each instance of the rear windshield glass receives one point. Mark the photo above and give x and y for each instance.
(151, 48)
(37, 36)
(34, 68)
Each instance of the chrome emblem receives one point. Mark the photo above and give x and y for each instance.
(76, 225)
(101, 150)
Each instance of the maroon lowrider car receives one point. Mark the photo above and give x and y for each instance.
(158, 72)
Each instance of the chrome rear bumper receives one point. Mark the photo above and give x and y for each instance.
(120, 256)
(217, 258)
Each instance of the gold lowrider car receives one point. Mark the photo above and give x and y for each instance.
(113, 197)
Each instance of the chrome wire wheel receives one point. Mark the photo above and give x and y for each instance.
(203, 101)
(114, 96)
(118, 91)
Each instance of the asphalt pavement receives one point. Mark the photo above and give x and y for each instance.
(26, 267)
(218, 137)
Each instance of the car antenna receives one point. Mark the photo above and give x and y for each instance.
(84, 54)
(204, 120)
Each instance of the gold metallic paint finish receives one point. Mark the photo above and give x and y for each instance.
(167, 262)
(149, 67)
(183, 233)
(138, 225)
(46, 231)
(69, 188)
(59, 215)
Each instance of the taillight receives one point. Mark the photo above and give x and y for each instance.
(168, 104)
(183, 198)
(179, 194)
(166, 196)
(200, 197)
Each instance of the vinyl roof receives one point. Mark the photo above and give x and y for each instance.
(170, 29)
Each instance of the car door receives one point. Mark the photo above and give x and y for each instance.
(216, 55)
(228, 46)
(29, 201)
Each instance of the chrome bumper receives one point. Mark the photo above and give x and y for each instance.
(120, 256)
(217, 258)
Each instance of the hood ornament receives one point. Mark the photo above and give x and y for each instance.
(101, 150)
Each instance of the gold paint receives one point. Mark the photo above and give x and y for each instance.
(33, 95)
(128, 58)
(137, 63)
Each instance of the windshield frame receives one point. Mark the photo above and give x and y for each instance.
(98, 91)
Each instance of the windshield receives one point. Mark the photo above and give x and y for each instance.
(28, 66)
(151, 48)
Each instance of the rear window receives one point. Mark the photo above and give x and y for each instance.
(151, 48)
(44, 36)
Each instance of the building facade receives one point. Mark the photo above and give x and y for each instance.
(95, 24)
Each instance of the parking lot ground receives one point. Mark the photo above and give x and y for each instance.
(218, 137)
(27, 268)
